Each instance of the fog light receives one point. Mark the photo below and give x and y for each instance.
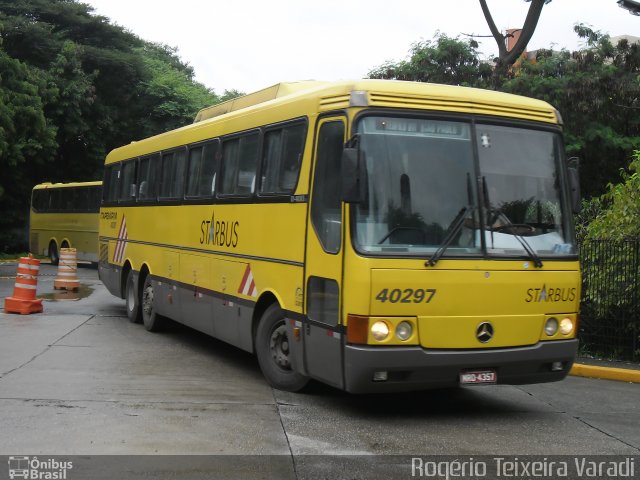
(380, 331)
(557, 367)
(566, 326)
(380, 376)
(404, 330)
(551, 327)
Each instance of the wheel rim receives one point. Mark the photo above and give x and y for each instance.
(279, 346)
(147, 301)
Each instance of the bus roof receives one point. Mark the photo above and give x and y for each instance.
(49, 185)
(290, 100)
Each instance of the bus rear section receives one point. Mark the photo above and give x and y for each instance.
(65, 215)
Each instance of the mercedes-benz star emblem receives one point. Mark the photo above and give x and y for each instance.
(484, 332)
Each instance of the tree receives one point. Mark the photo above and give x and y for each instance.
(72, 87)
(597, 91)
(506, 58)
(619, 207)
(441, 60)
(172, 97)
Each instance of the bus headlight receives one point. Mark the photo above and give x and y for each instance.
(404, 330)
(566, 326)
(379, 330)
(551, 327)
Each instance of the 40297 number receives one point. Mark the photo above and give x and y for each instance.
(408, 295)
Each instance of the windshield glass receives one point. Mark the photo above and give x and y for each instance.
(420, 177)
(421, 188)
(521, 177)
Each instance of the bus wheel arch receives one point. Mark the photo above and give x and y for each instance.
(65, 244)
(274, 351)
(124, 274)
(265, 301)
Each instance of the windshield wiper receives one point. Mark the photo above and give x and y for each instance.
(451, 233)
(537, 261)
(454, 228)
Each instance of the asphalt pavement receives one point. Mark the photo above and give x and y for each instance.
(80, 380)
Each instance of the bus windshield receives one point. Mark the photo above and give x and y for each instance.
(422, 187)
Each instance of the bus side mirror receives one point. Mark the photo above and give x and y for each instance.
(354, 176)
(573, 165)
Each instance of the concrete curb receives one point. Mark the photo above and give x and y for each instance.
(605, 373)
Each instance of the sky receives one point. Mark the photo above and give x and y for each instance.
(251, 44)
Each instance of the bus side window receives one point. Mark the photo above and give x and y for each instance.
(281, 159)
(173, 167)
(326, 207)
(193, 175)
(271, 157)
(95, 193)
(239, 164)
(147, 175)
(248, 164)
(127, 179)
(109, 186)
(40, 201)
(291, 158)
(69, 196)
(230, 149)
(81, 199)
(210, 165)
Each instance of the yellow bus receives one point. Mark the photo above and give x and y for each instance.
(65, 215)
(373, 235)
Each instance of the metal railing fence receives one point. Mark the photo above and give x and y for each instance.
(610, 306)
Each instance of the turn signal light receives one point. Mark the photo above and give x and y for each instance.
(357, 329)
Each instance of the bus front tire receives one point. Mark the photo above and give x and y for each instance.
(53, 253)
(153, 322)
(134, 312)
(274, 354)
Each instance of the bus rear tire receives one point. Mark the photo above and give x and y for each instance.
(274, 355)
(134, 312)
(153, 321)
(54, 257)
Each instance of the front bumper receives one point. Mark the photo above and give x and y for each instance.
(416, 368)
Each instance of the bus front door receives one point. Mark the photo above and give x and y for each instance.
(323, 272)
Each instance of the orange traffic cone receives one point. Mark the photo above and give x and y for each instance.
(67, 278)
(24, 299)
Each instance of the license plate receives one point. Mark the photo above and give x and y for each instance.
(478, 376)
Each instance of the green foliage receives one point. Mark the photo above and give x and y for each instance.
(610, 258)
(173, 97)
(619, 216)
(441, 60)
(597, 90)
(72, 87)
